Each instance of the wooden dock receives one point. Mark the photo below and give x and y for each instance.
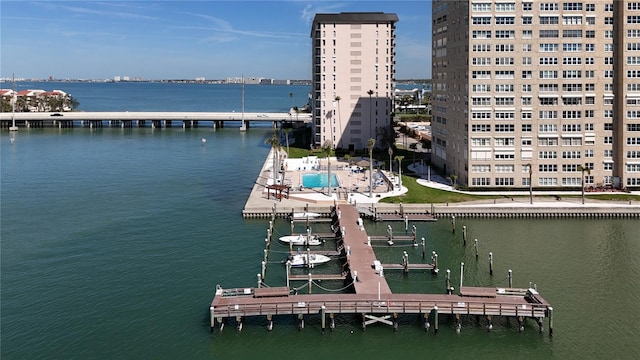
(372, 297)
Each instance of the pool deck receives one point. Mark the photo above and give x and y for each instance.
(353, 190)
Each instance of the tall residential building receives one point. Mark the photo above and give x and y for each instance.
(353, 79)
(537, 93)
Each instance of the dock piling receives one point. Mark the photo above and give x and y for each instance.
(448, 282)
(269, 322)
(264, 272)
(550, 315)
(259, 281)
(461, 275)
(426, 322)
(435, 320)
(414, 236)
(292, 227)
(521, 323)
(510, 278)
(464, 235)
(322, 317)
(423, 249)
(395, 321)
(212, 319)
(453, 224)
(475, 246)
(491, 263)
(435, 269)
(288, 265)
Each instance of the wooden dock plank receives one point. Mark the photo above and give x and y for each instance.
(387, 303)
(414, 266)
(271, 292)
(362, 256)
(372, 293)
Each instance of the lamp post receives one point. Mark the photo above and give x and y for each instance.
(370, 92)
(530, 184)
(400, 158)
(583, 169)
(14, 99)
(370, 144)
(327, 146)
(390, 151)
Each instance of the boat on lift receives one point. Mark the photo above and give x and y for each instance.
(298, 260)
(304, 215)
(301, 240)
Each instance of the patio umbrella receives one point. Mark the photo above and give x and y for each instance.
(363, 163)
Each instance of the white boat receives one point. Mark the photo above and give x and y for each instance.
(301, 259)
(305, 215)
(300, 240)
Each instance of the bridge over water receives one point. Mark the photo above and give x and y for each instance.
(146, 118)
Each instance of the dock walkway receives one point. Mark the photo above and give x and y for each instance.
(373, 298)
(360, 255)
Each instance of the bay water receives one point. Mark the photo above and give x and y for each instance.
(113, 240)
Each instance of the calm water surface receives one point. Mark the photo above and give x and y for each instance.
(112, 242)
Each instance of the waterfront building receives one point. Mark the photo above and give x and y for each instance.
(353, 77)
(537, 93)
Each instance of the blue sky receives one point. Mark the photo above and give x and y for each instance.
(187, 39)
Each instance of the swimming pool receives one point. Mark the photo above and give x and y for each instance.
(319, 180)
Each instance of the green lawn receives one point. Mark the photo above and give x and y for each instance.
(419, 194)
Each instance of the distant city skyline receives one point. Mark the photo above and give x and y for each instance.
(155, 40)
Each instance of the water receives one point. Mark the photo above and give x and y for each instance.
(148, 96)
(112, 242)
(319, 180)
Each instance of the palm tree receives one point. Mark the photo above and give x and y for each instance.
(370, 144)
(275, 146)
(399, 158)
(453, 179)
(327, 146)
(583, 169)
(286, 137)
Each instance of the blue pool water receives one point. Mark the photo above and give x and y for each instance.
(319, 180)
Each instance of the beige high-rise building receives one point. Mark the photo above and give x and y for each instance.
(537, 93)
(352, 77)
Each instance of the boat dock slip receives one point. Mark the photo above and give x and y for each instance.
(371, 297)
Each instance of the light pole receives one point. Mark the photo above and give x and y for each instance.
(400, 158)
(370, 144)
(14, 99)
(390, 151)
(370, 92)
(583, 169)
(530, 184)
